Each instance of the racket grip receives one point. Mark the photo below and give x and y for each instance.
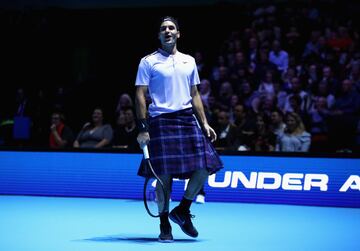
(146, 152)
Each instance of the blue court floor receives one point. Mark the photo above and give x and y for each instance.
(84, 224)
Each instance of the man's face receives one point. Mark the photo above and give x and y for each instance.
(327, 72)
(275, 117)
(291, 123)
(55, 119)
(129, 116)
(239, 111)
(223, 119)
(168, 33)
(346, 85)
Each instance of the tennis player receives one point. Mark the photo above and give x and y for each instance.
(176, 130)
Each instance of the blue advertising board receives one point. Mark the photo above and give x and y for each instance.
(316, 181)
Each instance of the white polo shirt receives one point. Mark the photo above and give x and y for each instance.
(169, 79)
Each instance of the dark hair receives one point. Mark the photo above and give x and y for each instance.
(278, 111)
(171, 19)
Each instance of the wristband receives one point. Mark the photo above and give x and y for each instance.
(142, 125)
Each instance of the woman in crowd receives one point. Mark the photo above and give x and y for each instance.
(94, 134)
(294, 138)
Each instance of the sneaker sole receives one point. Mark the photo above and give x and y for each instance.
(175, 220)
(165, 241)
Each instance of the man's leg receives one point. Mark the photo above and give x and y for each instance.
(165, 227)
(181, 214)
(200, 197)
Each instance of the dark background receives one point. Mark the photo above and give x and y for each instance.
(92, 48)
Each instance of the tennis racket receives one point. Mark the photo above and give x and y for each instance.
(154, 193)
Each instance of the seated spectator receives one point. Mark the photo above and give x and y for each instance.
(294, 138)
(60, 134)
(225, 93)
(247, 94)
(329, 76)
(234, 101)
(297, 90)
(264, 104)
(267, 85)
(205, 91)
(280, 96)
(318, 127)
(95, 134)
(286, 78)
(344, 117)
(125, 135)
(279, 57)
(263, 139)
(245, 125)
(226, 132)
(203, 68)
(277, 125)
(124, 101)
(263, 65)
(324, 91)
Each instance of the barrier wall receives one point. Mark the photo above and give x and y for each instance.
(318, 181)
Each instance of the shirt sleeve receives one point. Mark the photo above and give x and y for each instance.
(194, 78)
(108, 132)
(143, 73)
(305, 139)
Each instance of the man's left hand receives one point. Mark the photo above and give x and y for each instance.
(210, 132)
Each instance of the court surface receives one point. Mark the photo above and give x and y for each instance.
(30, 223)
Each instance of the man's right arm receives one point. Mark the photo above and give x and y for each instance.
(140, 103)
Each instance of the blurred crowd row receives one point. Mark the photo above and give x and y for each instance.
(289, 80)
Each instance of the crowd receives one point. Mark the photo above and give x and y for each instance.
(288, 80)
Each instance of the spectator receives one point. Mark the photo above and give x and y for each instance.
(245, 125)
(202, 67)
(312, 75)
(253, 49)
(319, 115)
(226, 132)
(344, 117)
(280, 96)
(263, 139)
(266, 86)
(225, 93)
(22, 107)
(297, 90)
(286, 78)
(125, 135)
(323, 91)
(263, 65)
(61, 135)
(95, 134)
(328, 76)
(123, 101)
(277, 125)
(279, 57)
(295, 138)
(205, 91)
(247, 94)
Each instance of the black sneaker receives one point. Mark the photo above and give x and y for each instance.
(165, 233)
(183, 219)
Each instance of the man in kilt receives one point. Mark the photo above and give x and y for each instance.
(176, 130)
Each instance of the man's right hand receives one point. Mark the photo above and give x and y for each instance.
(143, 139)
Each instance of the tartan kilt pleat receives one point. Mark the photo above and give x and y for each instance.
(179, 147)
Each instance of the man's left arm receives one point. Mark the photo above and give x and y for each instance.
(200, 113)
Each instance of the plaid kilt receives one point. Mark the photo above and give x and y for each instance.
(179, 147)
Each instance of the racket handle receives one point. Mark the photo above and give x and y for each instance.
(146, 152)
